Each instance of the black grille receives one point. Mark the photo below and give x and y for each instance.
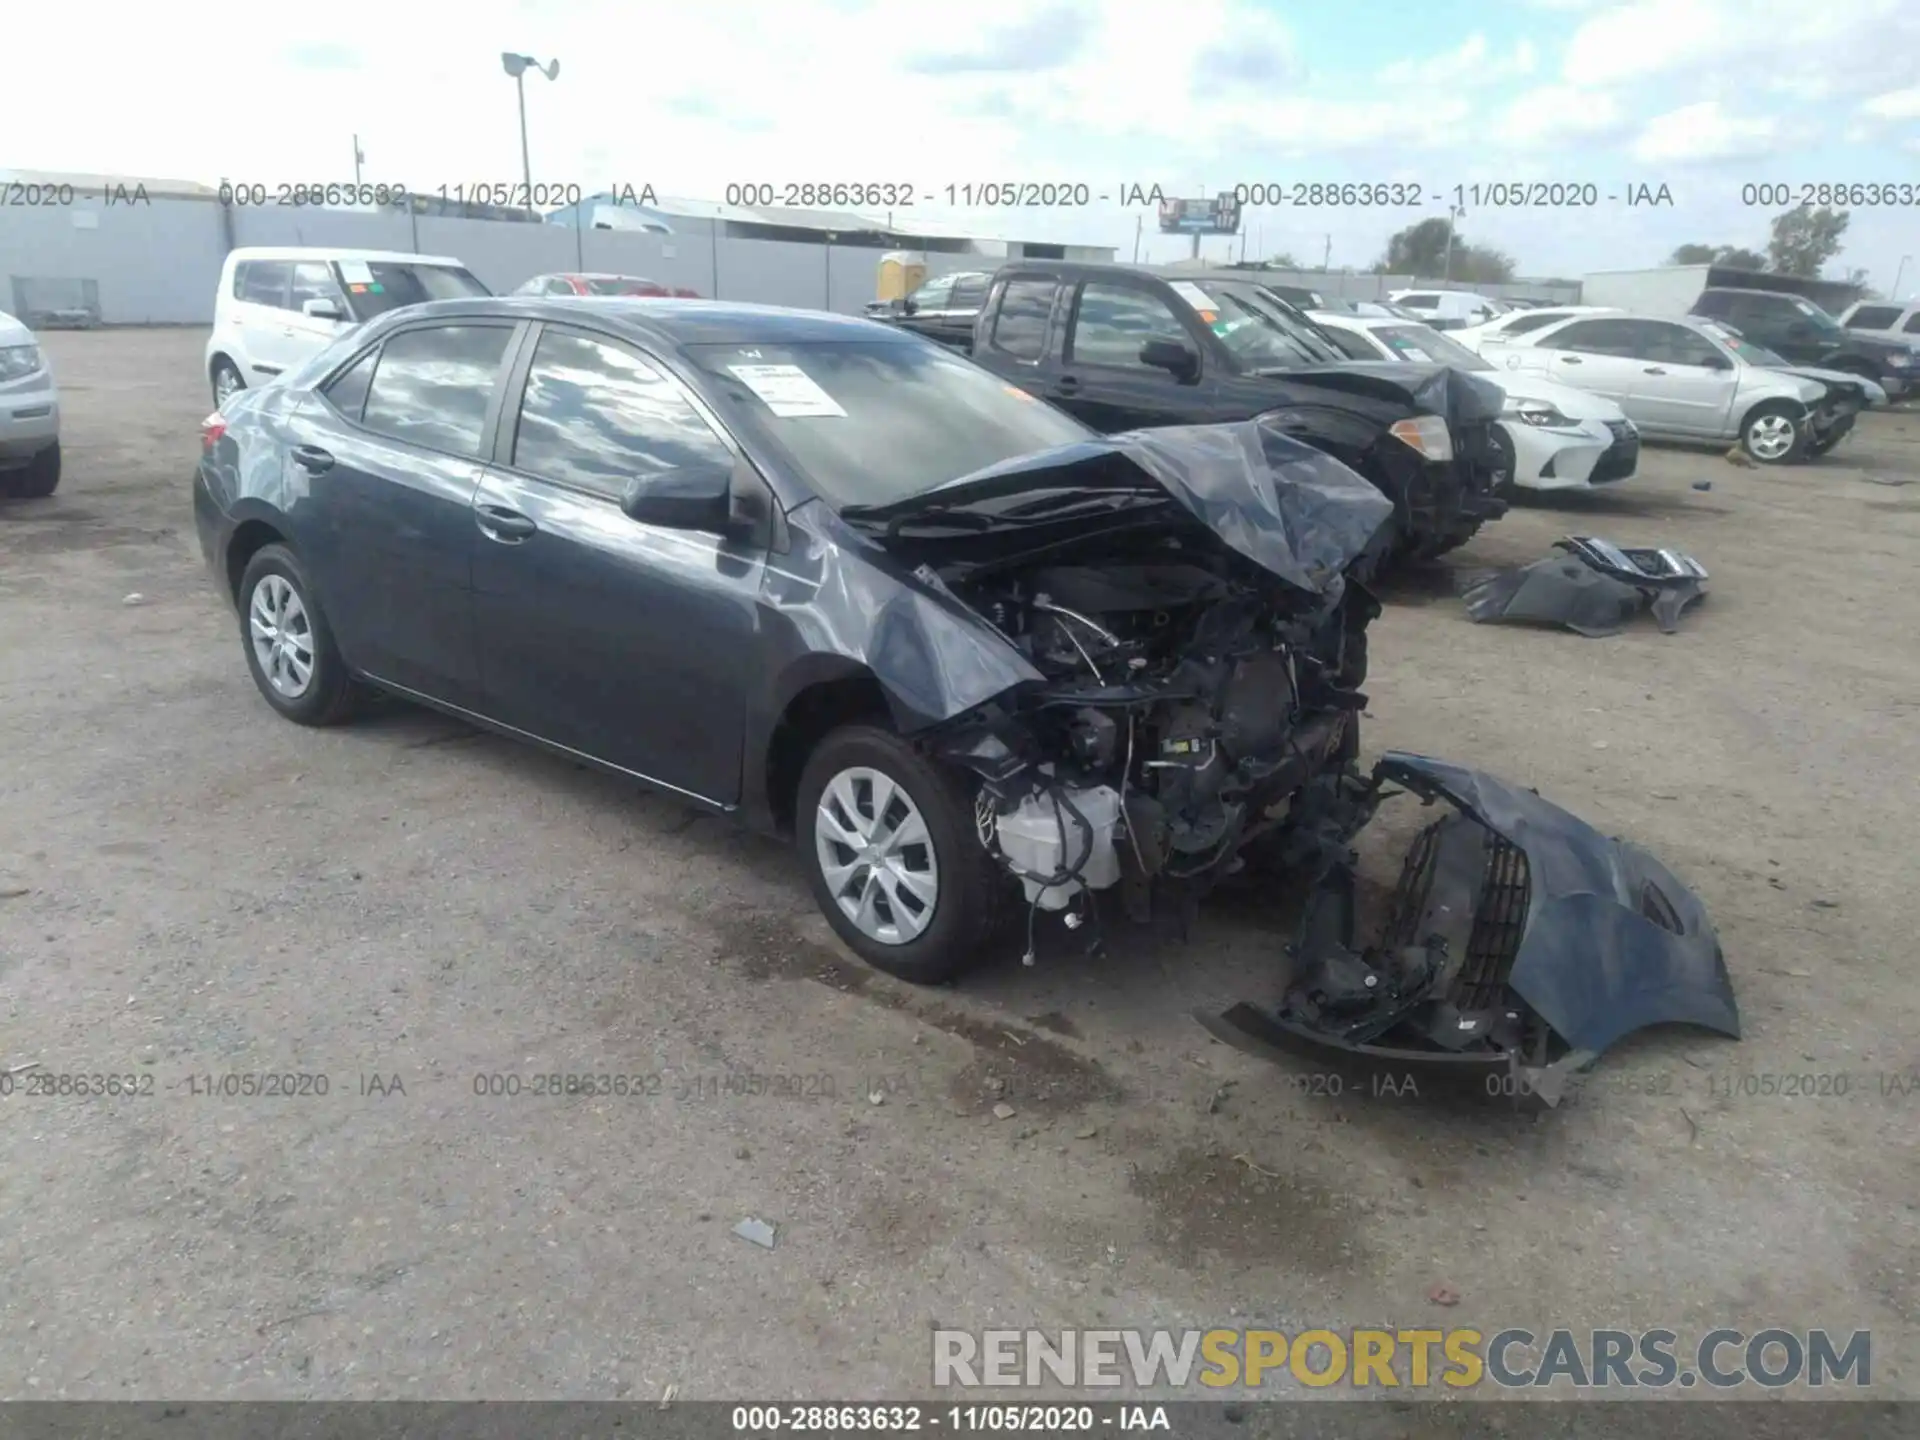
(1497, 926)
(1619, 459)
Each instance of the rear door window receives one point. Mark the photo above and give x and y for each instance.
(263, 282)
(1594, 337)
(431, 386)
(1912, 327)
(1532, 320)
(1020, 327)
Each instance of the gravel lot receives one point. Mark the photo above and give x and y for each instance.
(190, 886)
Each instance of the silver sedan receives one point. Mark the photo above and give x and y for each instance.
(1694, 380)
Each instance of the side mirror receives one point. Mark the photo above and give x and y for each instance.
(1172, 356)
(1717, 361)
(708, 496)
(322, 309)
(905, 305)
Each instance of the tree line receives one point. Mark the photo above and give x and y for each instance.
(1802, 241)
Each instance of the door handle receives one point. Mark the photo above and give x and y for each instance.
(1654, 370)
(498, 523)
(1066, 384)
(1569, 359)
(312, 458)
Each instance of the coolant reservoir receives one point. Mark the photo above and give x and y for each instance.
(1040, 841)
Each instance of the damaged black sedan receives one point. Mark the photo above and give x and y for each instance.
(980, 661)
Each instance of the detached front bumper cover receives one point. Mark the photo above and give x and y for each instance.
(1591, 586)
(1519, 944)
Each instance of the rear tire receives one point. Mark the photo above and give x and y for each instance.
(227, 381)
(301, 674)
(39, 479)
(1772, 434)
(923, 910)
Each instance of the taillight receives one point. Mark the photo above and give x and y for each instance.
(211, 429)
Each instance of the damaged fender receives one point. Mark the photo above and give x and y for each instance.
(1519, 945)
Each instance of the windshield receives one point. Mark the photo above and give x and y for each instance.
(871, 422)
(1820, 319)
(1423, 343)
(1739, 344)
(1257, 329)
(376, 286)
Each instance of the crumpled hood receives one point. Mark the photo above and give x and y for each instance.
(1462, 396)
(1614, 940)
(1841, 382)
(1291, 509)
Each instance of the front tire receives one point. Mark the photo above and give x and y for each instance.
(1832, 438)
(1773, 435)
(887, 838)
(39, 479)
(289, 648)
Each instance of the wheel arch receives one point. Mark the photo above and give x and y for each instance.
(822, 700)
(249, 538)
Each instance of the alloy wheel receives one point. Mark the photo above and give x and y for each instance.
(1770, 437)
(282, 636)
(876, 855)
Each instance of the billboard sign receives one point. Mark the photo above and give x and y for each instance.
(1218, 216)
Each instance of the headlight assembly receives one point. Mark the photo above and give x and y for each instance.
(18, 360)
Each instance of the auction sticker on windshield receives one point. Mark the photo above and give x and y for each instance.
(787, 390)
(356, 272)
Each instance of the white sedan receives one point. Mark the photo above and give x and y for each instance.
(1554, 437)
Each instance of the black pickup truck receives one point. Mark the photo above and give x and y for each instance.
(1124, 348)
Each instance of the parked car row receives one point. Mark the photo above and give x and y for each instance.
(1688, 379)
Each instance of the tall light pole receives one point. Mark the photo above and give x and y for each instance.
(1893, 292)
(516, 66)
(359, 159)
(1454, 212)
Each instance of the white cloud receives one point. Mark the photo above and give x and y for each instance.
(1550, 115)
(1474, 62)
(1894, 105)
(1729, 45)
(1704, 132)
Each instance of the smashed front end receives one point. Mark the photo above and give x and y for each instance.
(1518, 944)
(1181, 596)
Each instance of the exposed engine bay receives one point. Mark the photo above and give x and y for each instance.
(1187, 699)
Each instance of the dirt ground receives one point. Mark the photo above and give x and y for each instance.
(191, 887)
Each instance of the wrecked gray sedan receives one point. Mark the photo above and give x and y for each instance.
(1519, 943)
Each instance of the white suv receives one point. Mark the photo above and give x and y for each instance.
(279, 305)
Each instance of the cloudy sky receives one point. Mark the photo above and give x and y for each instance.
(1703, 96)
